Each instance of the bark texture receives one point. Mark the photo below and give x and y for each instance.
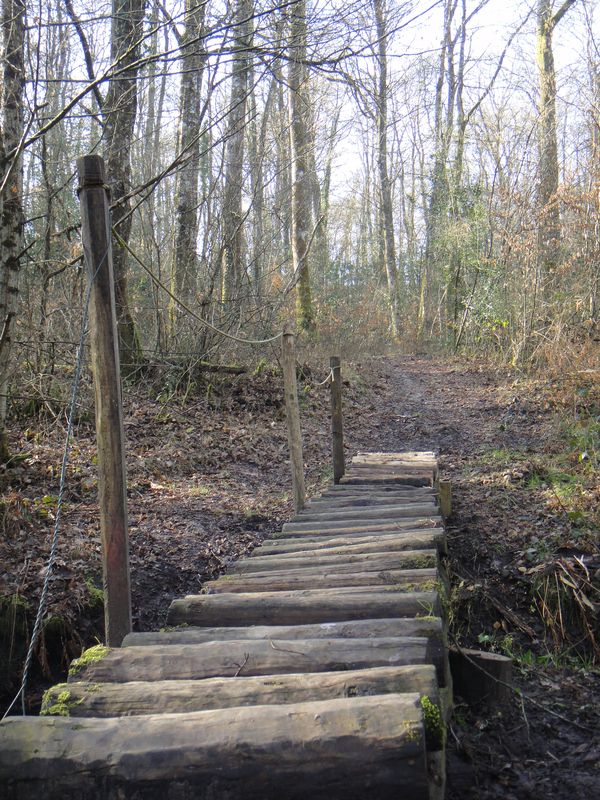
(120, 109)
(11, 196)
(185, 268)
(301, 178)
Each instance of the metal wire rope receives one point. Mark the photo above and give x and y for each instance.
(59, 504)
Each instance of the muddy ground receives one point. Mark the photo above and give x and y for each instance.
(208, 480)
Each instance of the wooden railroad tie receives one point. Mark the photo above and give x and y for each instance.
(317, 667)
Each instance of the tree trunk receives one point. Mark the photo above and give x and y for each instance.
(11, 196)
(233, 257)
(549, 233)
(301, 183)
(120, 109)
(185, 268)
(437, 211)
(387, 213)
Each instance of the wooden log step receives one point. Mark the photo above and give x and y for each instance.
(180, 697)
(393, 488)
(367, 457)
(406, 580)
(230, 658)
(395, 464)
(385, 512)
(355, 629)
(343, 562)
(379, 492)
(367, 500)
(347, 526)
(394, 469)
(299, 607)
(413, 540)
(371, 478)
(341, 749)
(399, 463)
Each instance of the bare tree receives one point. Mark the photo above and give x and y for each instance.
(233, 251)
(11, 192)
(120, 108)
(549, 224)
(185, 269)
(299, 99)
(387, 213)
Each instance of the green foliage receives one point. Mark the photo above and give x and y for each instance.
(89, 656)
(58, 702)
(46, 505)
(96, 594)
(435, 730)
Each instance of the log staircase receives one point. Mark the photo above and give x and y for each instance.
(317, 667)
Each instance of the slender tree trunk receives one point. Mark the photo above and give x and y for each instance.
(185, 269)
(258, 137)
(120, 108)
(549, 233)
(301, 180)
(11, 197)
(321, 201)
(233, 255)
(592, 239)
(437, 211)
(387, 212)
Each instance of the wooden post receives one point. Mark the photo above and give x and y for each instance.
(445, 495)
(478, 676)
(112, 487)
(288, 364)
(337, 429)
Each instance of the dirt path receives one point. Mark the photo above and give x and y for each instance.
(493, 433)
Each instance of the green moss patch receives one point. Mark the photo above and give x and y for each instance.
(435, 731)
(58, 702)
(89, 656)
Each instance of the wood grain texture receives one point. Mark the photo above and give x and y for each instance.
(323, 578)
(355, 629)
(343, 561)
(349, 748)
(231, 658)
(299, 607)
(183, 696)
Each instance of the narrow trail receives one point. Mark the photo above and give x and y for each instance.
(477, 419)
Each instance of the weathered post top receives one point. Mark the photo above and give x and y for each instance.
(91, 171)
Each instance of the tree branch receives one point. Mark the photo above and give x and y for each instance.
(561, 12)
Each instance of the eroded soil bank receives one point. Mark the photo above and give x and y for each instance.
(208, 479)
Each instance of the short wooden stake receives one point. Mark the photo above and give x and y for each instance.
(288, 364)
(481, 677)
(112, 487)
(445, 494)
(337, 428)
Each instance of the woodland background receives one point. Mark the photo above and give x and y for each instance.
(425, 172)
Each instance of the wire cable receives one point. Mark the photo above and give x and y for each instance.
(59, 504)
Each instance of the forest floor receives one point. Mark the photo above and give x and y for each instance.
(208, 480)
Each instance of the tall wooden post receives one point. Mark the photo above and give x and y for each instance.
(337, 429)
(290, 387)
(112, 487)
